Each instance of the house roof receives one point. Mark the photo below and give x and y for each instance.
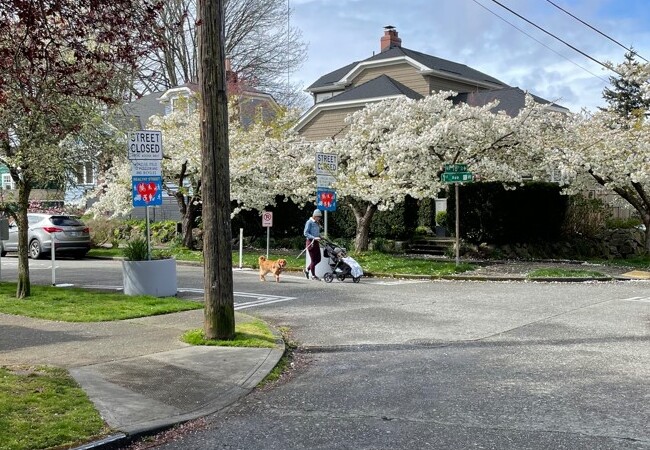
(426, 63)
(511, 100)
(382, 86)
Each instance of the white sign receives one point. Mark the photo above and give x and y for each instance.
(326, 164)
(267, 219)
(146, 168)
(324, 181)
(145, 144)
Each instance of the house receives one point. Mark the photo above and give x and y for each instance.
(398, 71)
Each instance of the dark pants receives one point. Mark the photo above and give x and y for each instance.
(314, 255)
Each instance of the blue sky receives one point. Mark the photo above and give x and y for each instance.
(339, 32)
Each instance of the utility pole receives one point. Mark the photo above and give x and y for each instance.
(219, 312)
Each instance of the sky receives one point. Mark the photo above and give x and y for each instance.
(339, 32)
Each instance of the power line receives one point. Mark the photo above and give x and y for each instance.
(596, 30)
(540, 42)
(554, 36)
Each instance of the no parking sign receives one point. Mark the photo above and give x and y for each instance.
(267, 219)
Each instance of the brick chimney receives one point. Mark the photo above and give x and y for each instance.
(390, 39)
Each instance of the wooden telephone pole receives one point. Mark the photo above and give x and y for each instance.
(219, 312)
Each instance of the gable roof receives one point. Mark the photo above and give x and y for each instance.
(427, 64)
(511, 100)
(382, 86)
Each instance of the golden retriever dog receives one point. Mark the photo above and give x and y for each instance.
(274, 267)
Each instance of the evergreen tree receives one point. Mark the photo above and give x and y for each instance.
(625, 96)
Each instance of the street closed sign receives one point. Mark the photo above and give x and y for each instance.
(145, 144)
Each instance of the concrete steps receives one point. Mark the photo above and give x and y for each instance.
(436, 246)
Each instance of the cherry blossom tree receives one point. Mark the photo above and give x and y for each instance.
(59, 59)
(601, 150)
(399, 147)
(265, 161)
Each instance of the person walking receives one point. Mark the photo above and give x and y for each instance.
(312, 233)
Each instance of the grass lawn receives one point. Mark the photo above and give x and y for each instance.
(373, 262)
(80, 305)
(43, 407)
(248, 334)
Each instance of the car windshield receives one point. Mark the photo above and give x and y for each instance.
(65, 221)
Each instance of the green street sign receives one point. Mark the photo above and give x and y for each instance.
(457, 177)
(455, 167)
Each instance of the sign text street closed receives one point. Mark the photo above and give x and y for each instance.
(326, 164)
(145, 144)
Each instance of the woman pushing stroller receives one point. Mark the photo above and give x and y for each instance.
(312, 233)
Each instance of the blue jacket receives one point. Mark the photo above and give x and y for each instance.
(312, 230)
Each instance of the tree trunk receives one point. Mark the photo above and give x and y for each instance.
(189, 212)
(219, 313)
(23, 288)
(363, 213)
(646, 222)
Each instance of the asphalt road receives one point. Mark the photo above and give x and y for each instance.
(445, 364)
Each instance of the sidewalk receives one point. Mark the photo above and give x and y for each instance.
(137, 372)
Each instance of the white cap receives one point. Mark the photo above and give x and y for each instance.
(317, 213)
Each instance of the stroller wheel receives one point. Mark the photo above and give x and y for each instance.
(328, 277)
(340, 277)
(356, 279)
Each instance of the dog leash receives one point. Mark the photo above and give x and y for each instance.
(306, 248)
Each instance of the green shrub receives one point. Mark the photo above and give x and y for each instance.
(441, 218)
(136, 250)
(585, 216)
(630, 222)
(102, 231)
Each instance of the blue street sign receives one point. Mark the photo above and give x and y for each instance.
(326, 199)
(147, 191)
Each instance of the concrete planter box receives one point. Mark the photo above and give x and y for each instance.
(156, 278)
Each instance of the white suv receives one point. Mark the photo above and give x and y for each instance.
(71, 236)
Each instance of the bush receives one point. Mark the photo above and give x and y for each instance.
(441, 219)
(631, 222)
(491, 213)
(102, 231)
(136, 250)
(585, 216)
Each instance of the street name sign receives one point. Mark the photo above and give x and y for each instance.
(455, 167)
(457, 177)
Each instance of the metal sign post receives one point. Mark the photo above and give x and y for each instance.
(146, 215)
(457, 173)
(53, 258)
(267, 221)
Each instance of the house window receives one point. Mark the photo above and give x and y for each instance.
(7, 181)
(84, 173)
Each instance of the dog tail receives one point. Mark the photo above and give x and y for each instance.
(261, 258)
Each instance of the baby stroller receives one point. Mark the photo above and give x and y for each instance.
(341, 264)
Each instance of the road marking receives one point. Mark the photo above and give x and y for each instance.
(256, 299)
(636, 299)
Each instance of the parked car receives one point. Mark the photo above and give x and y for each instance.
(71, 236)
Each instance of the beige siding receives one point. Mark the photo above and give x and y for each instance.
(404, 73)
(327, 124)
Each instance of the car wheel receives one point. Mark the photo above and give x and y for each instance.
(3, 252)
(35, 251)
